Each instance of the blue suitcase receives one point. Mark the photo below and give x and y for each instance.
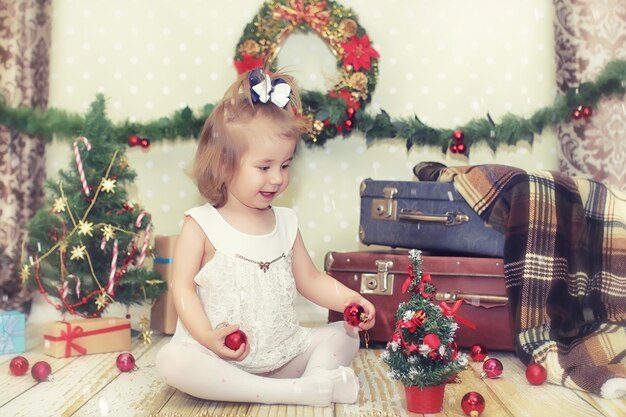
(431, 216)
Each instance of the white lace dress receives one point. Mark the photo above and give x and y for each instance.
(249, 282)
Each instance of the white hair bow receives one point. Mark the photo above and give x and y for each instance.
(276, 91)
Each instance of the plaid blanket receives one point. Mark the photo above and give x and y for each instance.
(565, 268)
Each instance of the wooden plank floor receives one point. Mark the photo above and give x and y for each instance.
(91, 385)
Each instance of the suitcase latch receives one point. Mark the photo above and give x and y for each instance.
(386, 208)
(380, 283)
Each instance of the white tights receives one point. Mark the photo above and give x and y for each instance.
(318, 376)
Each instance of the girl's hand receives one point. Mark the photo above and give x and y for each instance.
(370, 312)
(216, 342)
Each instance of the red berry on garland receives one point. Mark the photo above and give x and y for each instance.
(478, 353)
(354, 314)
(235, 339)
(145, 143)
(350, 111)
(492, 368)
(473, 404)
(133, 140)
(461, 148)
(125, 362)
(536, 374)
(458, 136)
(577, 114)
(348, 124)
(18, 365)
(586, 112)
(454, 148)
(41, 371)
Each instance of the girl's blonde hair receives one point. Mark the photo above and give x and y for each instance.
(231, 124)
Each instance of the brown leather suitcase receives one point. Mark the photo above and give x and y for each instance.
(479, 282)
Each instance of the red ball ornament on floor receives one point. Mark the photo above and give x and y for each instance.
(473, 404)
(354, 314)
(235, 339)
(492, 368)
(536, 374)
(41, 371)
(478, 353)
(125, 362)
(19, 365)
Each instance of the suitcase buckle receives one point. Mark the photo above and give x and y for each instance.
(385, 208)
(380, 283)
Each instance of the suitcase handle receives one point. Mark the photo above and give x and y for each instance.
(471, 298)
(451, 218)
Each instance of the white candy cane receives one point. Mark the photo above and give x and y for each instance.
(79, 162)
(66, 286)
(144, 248)
(111, 283)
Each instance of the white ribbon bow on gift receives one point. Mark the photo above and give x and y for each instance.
(277, 94)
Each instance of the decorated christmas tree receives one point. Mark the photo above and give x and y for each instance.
(422, 352)
(87, 245)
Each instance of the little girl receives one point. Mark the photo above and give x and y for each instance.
(240, 262)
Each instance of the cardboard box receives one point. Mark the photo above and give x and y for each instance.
(12, 332)
(163, 315)
(63, 339)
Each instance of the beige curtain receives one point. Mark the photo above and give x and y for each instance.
(24, 52)
(589, 34)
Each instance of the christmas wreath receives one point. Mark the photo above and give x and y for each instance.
(357, 61)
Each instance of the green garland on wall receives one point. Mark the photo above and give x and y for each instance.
(185, 124)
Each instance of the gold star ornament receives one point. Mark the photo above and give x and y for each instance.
(108, 185)
(85, 228)
(107, 232)
(59, 205)
(78, 252)
(101, 301)
(25, 273)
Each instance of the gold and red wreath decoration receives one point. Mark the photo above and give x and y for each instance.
(334, 112)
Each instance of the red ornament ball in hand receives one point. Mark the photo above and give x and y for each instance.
(125, 362)
(492, 368)
(235, 339)
(41, 371)
(478, 353)
(536, 374)
(473, 404)
(354, 314)
(19, 365)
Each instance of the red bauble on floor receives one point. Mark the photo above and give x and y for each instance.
(473, 404)
(478, 353)
(19, 365)
(125, 362)
(536, 374)
(41, 371)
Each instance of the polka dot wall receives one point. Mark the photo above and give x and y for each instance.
(446, 62)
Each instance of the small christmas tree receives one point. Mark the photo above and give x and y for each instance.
(87, 247)
(422, 352)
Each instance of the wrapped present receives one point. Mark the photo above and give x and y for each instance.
(86, 336)
(163, 315)
(12, 332)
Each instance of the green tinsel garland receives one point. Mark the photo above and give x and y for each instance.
(187, 125)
